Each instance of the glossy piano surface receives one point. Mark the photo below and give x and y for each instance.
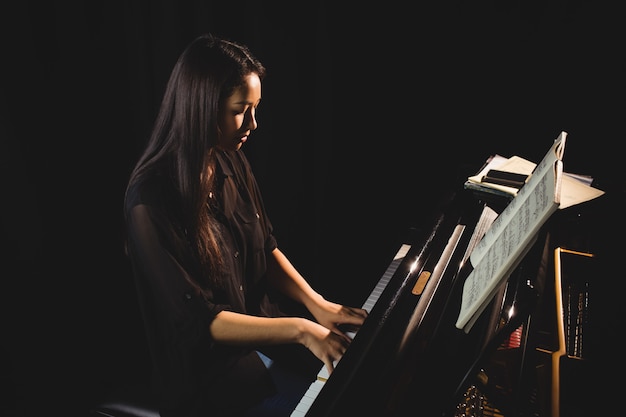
(400, 325)
(409, 359)
(311, 394)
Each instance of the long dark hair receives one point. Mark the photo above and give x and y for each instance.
(185, 134)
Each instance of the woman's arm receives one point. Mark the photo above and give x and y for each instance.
(284, 276)
(239, 329)
(323, 339)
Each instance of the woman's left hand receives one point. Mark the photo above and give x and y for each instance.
(332, 315)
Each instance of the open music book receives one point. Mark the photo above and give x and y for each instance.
(512, 234)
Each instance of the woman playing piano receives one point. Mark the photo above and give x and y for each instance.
(208, 270)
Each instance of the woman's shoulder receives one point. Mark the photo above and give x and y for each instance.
(150, 189)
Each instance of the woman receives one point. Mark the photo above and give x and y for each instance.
(208, 270)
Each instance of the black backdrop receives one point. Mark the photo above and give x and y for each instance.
(369, 110)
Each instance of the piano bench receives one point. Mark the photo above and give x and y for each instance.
(130, 402)
(124, 409)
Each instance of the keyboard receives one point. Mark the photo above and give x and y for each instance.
(322, 376)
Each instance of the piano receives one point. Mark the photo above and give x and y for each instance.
(409, 359)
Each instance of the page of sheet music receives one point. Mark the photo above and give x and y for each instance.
(509, 237)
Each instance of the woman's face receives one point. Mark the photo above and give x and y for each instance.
(237, 115)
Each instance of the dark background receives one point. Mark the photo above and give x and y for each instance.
(369, 111)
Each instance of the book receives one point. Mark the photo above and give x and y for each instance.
(515, 165)
(512, 234)
(576, 188)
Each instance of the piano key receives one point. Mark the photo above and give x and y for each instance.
(309, 397)
(384, 280)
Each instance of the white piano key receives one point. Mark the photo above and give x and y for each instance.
(322, 374)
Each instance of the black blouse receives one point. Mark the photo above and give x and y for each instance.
(194, 375)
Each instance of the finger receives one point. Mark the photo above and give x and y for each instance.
(349, 328)
(345, 338)
(330, 366)
(357, 312)
(353, 319)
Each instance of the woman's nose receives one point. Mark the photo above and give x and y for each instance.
(251, 120)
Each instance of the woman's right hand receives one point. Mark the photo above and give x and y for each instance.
(325, 344)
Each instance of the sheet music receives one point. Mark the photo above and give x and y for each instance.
(511, 234)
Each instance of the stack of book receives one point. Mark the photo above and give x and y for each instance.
(503, 177)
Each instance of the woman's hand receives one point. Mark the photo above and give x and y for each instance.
(325, 338)
(328, 346)
(332, 315)
(283, 276)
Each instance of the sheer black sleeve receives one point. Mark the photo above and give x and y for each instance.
(161, 264)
